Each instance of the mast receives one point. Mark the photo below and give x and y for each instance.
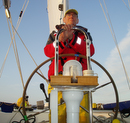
(56, 10)
(66, 5)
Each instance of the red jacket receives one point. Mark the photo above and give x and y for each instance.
(76, 46)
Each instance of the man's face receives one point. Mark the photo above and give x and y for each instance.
(71, 18)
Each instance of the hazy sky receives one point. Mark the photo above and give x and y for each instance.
(34, 31)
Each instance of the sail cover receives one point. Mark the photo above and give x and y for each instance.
(55, 12)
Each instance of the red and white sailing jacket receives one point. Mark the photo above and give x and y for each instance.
(76, 46)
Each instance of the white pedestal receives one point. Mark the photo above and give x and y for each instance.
(54, 105)
(72, 99)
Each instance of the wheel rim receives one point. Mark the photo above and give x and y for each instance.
(76, 55)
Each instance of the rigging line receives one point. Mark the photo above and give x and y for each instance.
(126, 74)
(16, 54)
(15, 51)
(16, 112)
(1, 70)
(129, 3)
(113, 35)
(7, 51)
(126, 5)
(20, 21)
(20, 18)
(27, 50)
(24, 5)
(21, 13)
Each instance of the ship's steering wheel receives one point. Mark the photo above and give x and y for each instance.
(36, 71)
(81, 56)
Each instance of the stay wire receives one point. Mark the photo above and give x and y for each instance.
(24, 5)
(23, 11)
(27, 50)
(16, 56)
(18, 23)
(129, 2)
(1, 70)
(16, 52)
(114, 37)
(21, 41)
(126, 4)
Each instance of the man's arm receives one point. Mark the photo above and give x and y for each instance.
(67, 33)
(51, 38)
(49, 49)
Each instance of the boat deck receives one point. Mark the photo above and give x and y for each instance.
(41, 118)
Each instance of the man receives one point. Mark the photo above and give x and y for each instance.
(70, 42)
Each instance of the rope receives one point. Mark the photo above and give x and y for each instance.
(129, 2)
(22, 13)
(15, 49)
(27, 49)
(1, 70)
(108, 120)
(18, 23)
(16, 112)
(114, 37)
(104, 119)
(126, 4)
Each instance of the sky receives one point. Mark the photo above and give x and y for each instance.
(34, 31)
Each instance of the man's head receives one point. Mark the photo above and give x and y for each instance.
(71, 17)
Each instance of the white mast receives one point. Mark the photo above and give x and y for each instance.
(66, 5)
(56, 10)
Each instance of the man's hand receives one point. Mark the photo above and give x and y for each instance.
(67, 34)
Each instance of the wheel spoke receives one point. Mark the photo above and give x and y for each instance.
(101, 86)
(42, 76)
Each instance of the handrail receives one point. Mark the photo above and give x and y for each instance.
(87, 48)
